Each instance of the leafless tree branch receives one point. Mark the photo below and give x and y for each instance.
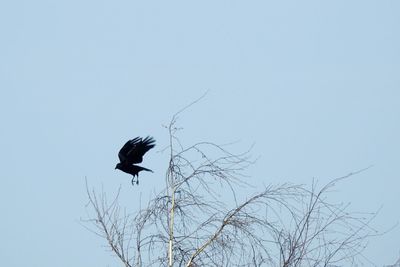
(199, 220)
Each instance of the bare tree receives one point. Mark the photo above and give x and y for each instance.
(192, 223)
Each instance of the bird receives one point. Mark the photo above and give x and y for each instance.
(131, 153)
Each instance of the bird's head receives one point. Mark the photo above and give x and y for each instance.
(118, 166)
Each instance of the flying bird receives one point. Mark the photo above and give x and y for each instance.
(131, 153)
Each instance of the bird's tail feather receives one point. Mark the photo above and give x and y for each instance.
(145, 169)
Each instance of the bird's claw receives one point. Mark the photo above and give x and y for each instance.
(133, 181)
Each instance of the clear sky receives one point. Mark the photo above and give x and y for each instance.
(314, 84)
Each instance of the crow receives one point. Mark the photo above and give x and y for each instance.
(131, 153)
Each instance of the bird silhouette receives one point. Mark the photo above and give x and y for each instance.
(131, 153)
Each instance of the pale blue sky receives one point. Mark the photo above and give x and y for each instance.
(314, 84)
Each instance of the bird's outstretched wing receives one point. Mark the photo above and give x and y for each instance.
(133, 150)
(123, 152)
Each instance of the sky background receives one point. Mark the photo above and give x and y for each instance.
(315, 85)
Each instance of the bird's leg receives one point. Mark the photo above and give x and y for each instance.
(133, 180)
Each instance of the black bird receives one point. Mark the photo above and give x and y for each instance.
(131, 153)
